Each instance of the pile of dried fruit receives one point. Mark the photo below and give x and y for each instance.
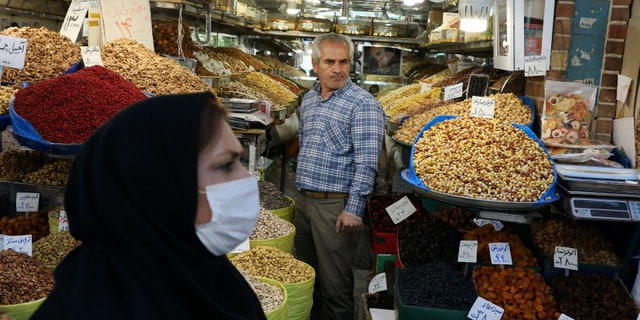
(23, 278)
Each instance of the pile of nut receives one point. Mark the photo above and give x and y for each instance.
(149, 71)
(483, 159)
(23, 278)
(591, 244)
(33, 167)
(165, 38)
(271, 198)
(237, 89)
(277, 93)
(5, 94)
(231, 63)
(273, 263)
(508, 108)
(246, 58)
(271, 296)
(51, 249)
(36, 224)
(270, 226)
(48, 55)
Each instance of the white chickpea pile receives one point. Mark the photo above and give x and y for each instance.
(483, 159)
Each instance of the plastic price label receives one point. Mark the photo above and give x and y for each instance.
(400, 210)
(482, 107)
(535, 66)
(22, 243)
(485, 310)
(565, 258)
(27, 201)
(468, 251)
(500, 253)
(378, 283)
(454, 91)
(91, 56)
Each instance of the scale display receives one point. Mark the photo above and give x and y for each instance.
(605, 209)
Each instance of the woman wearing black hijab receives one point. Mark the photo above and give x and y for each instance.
(139, 198)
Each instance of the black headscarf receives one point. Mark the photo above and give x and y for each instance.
(131, 198)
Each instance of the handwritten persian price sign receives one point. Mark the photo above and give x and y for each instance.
(500, 253)
(91, 56)
(485, 310)
(483, 107)
(565, 258)
(454, 91)
(378, 283)
(27, 201)
(127, 19)
(12, 51)
(400, 210)
(535, 66)
(468, 251)
(21, 243)
(74, 20)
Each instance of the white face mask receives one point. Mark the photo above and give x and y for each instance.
(235, 206)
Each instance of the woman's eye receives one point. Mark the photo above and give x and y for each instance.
(227, 167)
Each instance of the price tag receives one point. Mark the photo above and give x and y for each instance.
(21, 243)
(91, 56)
(482, 107)
(400, 210)
(378, 283)
(12, 51)
(564, 317)
(244, 246)
(454, 91)
(497, 225)
(468, 251)
(27, 201)
(63, 221)
(401, 186)
(127, 19)
(485, 310)
(535, 66)
(500, 253)
(565, 258)
(74, 19)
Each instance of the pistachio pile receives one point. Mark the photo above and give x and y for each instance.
(273, 263)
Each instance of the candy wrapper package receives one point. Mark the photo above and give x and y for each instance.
(567, 113)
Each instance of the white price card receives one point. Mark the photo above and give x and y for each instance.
(382, 314)
(378, 283)
(27, 201)
(244, 246)
(21, 243)
(535, 66)
(497, 225)
(500, 253)
(468, 251)
(12, 51)
(483, 107)
(485, 310)
(624, 83)
(454, 91)
(564, 317)
(63, 221)
(565, 258)
(74, 20)
(400, 210)
(127, 19)
(91, 56)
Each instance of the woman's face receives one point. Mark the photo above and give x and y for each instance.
(219, 162)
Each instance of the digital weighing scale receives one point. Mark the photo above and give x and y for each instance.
(599, 193)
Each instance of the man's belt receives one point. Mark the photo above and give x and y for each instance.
(324, 195)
